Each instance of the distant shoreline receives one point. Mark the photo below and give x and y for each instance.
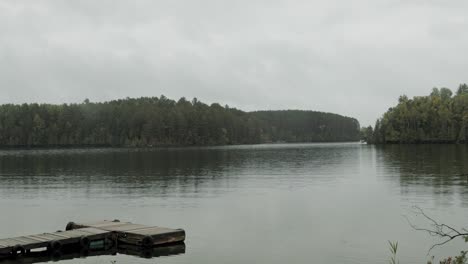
(153, 121)
(420, 143)
(56, 147)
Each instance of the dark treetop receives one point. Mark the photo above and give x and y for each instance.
(437, 118)
(164, 122)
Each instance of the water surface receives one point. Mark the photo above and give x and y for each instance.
(287, 203)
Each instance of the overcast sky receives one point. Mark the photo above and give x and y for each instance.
(348, 57)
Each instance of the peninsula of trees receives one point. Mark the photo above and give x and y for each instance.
(440, 117)
(163, 122)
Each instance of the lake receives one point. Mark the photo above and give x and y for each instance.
(279, 203)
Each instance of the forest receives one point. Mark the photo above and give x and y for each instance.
(441, 117)
(153, 121)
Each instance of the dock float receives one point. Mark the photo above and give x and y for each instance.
(155, 252)
(135, 234)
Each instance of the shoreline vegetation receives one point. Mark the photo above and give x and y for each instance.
(440, 117)
(97, 147)
(162, 122)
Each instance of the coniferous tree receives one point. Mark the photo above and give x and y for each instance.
(161, 122)
(437, 118)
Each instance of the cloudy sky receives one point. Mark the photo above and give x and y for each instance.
(348, 57)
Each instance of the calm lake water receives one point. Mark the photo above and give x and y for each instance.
(291, 203)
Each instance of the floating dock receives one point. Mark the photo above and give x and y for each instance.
(64, 254)
(84, 235)
(135, 234)
(69, 253)
(54, 241)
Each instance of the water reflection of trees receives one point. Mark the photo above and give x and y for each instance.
(161, 172)
(125, 171)
(444, 168)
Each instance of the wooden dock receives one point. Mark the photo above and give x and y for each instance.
(44, 256)
(86, 235)
(75, 253)
(54, 241)
(135, 234)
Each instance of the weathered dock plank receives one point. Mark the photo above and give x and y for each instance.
(135, 234)
(41, 257)
(53, 241)
(102, 232)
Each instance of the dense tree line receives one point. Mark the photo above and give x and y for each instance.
(163, 122)
(440, 117)
(306, 126)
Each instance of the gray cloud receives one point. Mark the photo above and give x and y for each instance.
(349, 57)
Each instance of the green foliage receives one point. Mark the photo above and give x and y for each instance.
(306, 126)
(461, 259)
(163, 122)
(366, 134)
(462, 89)
(437, 118)
(393, 251)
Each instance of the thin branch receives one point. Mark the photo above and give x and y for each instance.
(439, 244)
(439, 230)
